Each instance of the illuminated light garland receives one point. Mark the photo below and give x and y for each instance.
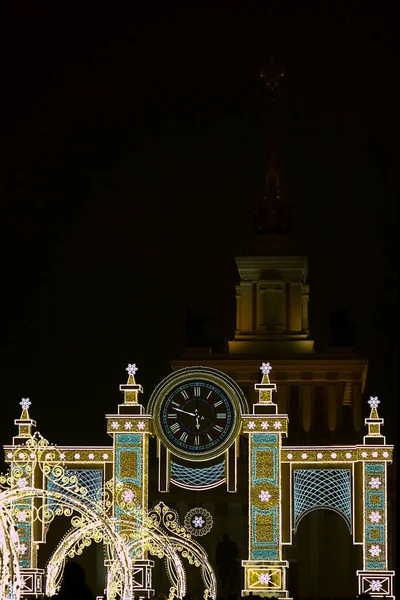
(120, 505)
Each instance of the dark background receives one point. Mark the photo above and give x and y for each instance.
(133, 149)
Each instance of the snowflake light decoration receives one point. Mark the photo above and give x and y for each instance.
(319, 455)
(375, 483)
(127, 495)
(25, 403)
(374, 402)
(198, 521)
(114, 425)
(62, 455)
(333, 455)
(304, 456)
(290, 456)
(348, 454)
(374, 516)
(364, 454)
(128, 425)
(251, 425)
(374, 455)
(264, 578)
(375, 585)
(385, 454)
(22, 483)
(105, 456)
(277, 425)
(140, 425)
(23, 548)
(22, 516)
(77, 456)
(264, 425)
(132, 369)
(375, 550)
(264, 496)
(91, 456)
(265, 368)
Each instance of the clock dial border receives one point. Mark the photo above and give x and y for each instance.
(188, 377)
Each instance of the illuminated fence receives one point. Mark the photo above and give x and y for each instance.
(322, 488)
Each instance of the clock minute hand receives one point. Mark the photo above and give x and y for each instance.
(185, 412)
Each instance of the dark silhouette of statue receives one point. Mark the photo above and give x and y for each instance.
(226, 561)
(74, 586)
(342, 330)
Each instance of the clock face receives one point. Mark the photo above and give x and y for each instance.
(197, 416)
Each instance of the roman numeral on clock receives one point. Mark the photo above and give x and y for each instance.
(209, 437)
(197, 392)
(185, 394)
(175, 427)
(217, 427)
(184, 436)
(218, 403)
(172, 416)
(221, 415)
(196, 440)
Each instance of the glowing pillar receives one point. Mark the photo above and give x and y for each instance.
(375, 578)
(130, 430)
(265, 571)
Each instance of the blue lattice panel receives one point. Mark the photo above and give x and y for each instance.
(197, 478)
(322, 488)
(264, 497)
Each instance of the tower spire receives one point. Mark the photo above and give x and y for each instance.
(272, 214)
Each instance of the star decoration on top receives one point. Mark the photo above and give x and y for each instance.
(373, 401)
(131, 369)
(25, 403)
(265, 368)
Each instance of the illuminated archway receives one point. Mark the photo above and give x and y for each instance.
(121, 571)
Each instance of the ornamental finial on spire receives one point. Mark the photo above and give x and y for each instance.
(131, 388)
(265, 388)
(25, 423)
(132, 369)
(373, 423)
(265, 368)
(25, 403)
(373, 402)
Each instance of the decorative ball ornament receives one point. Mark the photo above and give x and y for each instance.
(198, 521)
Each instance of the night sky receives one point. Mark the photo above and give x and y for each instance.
(133, 149)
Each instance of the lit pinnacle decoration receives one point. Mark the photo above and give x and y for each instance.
(374, 422)
(131, 388)
(265, 388)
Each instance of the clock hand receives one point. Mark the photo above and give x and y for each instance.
(185, 412)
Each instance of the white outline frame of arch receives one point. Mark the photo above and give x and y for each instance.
(8, 497)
